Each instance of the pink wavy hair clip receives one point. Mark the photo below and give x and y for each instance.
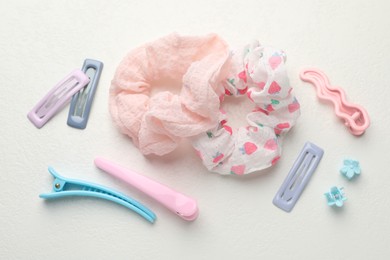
(355, 116)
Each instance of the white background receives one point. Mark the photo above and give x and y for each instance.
(42, 41)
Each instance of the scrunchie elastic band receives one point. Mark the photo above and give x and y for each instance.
(259, 72)
(157, 123)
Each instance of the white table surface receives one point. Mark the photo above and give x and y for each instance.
(41, 41)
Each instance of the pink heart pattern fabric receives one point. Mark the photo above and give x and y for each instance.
(258, 72)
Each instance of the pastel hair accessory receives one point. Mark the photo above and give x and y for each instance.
(350, 169)
(298, 177)
(335, 197)
(182, 205)
(257, 72)
(57, 98)
(80, 106)
(355, 117)
(63, 187)
(157, 123)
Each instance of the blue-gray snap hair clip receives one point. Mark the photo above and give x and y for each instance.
(298, 177)
(63, 187)
(80, 106)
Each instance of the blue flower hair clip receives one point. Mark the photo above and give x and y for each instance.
(336, 196)
(350, 169)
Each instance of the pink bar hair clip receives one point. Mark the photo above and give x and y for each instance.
(180, 204)
(355, 116)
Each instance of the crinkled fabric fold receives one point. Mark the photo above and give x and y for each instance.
(260, 73)
(156, 124)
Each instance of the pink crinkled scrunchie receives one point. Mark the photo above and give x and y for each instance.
(157, 123)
